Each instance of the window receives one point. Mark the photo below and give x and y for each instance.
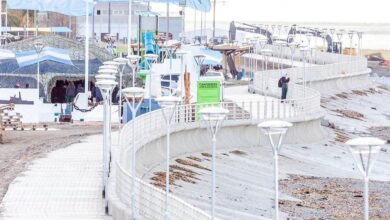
(98, 12)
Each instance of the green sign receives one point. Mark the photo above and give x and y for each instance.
(209, 92)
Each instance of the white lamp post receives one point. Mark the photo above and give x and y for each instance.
(350, 35)
(106, 86)
(364, 151)
(266, 53)
(168, 105)
(122, 65)
(199, 59)
(182, 55)
(213, 116)
(38, 49)
(360, 36)
(150, 59)
(133, 62)
(274, 129)
(133, 93)
(332, 31)
(262, 43)
(304, 52)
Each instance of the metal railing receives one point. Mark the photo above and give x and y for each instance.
(151, 126)
(302, 104)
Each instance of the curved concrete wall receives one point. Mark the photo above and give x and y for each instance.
(235, 135)
(337, 84)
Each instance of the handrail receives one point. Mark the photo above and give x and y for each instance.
(151, 126)
(302, 104)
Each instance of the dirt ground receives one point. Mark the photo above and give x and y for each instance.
(334, 198)
(22, 147)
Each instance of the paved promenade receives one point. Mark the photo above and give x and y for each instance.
(64, 185)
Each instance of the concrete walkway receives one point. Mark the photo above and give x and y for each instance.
(64, 185)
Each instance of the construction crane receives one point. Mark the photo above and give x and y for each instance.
(294, 30)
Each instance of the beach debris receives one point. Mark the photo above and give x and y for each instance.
(359, 93)
(192, 164)
(341, 136)
(238, 152)
(350, 114)
(175, 173)
(195, 158)
(206, 154)
(332, 198)
(343, 95)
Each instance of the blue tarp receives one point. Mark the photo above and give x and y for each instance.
(77, 7)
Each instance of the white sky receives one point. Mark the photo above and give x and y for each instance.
(351, 11)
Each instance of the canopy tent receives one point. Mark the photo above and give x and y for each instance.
(77, 7)
(27, 58)
(40, 29)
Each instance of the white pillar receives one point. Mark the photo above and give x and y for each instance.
(86, 71)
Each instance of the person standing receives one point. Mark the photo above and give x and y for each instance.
(283, 83)
(70, 92)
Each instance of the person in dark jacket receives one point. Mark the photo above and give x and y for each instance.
(283, 83)
(70, 92)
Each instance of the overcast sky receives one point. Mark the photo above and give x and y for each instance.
(359, 11)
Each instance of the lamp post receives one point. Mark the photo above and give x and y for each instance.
(360, 36)
(213, 117)
(182, 55)
(38, 49)
(168, 105)
(364, 151)
(350, 35)
(199, 60)
(304, 53)
(150, 59)
(133, 62)
(332, 31)
(274, 129)
(133, 93)
(106, 84)
(103, 78)
(266, 53)
(122, 62)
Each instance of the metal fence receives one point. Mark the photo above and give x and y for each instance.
(302, 104)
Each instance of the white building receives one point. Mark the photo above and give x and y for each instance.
(103, 22)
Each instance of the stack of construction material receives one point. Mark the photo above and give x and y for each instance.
(9, 118)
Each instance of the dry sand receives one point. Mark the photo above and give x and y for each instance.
(22, 147)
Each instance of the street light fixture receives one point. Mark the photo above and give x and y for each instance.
(38, 49)
(304, 52)
(133, 93)
(266, 53)
(199, 60)
(168, 106)
(213, 117)
(360, 36)
(332, 31)
(133, 62)
(182, 54)
(122, 62)
(150, 59)
(274, 129)
(106, 86)
(364, 151)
